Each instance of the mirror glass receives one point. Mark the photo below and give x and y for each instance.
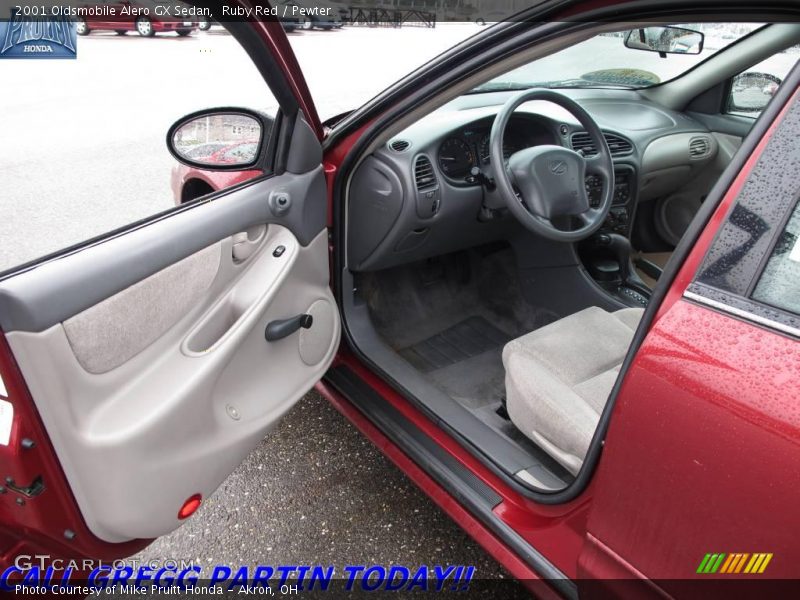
(752, 91)
(665, 40)
(219, 139)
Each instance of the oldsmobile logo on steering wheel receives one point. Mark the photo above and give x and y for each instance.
(558, 167)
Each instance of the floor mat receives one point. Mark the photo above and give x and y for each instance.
(468, 338)
(474, 382)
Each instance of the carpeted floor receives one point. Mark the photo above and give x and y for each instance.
(450, 318)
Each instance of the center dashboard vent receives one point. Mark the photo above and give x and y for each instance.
(399, 145)
(582, 141)
(424, 176)
(699, 147)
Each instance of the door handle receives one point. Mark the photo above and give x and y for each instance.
(242, 247)
(277, 330)
(247, 242)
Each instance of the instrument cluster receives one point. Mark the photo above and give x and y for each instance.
(468, 148)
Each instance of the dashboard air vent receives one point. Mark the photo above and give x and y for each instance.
(399, 145)
(619, 146)
(699, 147)
(424, 176)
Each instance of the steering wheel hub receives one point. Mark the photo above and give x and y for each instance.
(550, 180)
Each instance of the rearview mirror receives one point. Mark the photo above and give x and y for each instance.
(665, 40)
(219, 139)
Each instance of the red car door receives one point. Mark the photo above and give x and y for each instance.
(101, 457)
(697, 485)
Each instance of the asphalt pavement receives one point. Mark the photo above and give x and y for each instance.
(317, 492)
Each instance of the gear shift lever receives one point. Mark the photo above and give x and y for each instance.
(627, 284)
(620, 247)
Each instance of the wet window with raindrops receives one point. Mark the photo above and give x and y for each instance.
(779, 284)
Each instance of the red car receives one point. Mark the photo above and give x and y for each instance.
(568, 309)
(145, 17)
(190, 182)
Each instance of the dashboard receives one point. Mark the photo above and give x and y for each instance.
(468, 147)
(423, 192)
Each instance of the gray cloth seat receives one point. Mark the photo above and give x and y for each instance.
(559, 377)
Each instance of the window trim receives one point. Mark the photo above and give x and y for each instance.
(746, 309)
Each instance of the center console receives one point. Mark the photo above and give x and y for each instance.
(607, 254)
(620, 216)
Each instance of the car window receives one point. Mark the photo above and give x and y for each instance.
(611, 60)
(348, 76)
(779, 285)
(752, 269)
(84, 140)
(751, 90)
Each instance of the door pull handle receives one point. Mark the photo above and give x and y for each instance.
(277, 330)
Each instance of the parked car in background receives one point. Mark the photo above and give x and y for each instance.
(293, 22)
(190, 182)
(770, 88)
(332, 19)
(140, 16)
(338, 10)
(290, 22)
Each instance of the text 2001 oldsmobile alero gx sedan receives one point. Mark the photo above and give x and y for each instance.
(560, 291)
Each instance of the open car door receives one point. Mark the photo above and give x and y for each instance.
(140, 368)
(706, 400)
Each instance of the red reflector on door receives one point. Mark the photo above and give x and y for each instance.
(190, 506)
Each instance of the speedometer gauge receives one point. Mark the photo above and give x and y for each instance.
(456, 158)
(483, 149)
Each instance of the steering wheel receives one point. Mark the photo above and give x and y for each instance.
(544, 182)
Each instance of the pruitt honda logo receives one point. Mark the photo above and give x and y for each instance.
(38, 37)
(735, 563)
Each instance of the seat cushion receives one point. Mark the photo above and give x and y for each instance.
(559, 377)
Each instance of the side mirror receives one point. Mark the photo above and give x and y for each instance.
(665, 40)
(752, 91)
(220, 139)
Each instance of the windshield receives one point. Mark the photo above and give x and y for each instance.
(606, 61)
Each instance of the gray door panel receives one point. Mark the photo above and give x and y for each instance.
(145, 353)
